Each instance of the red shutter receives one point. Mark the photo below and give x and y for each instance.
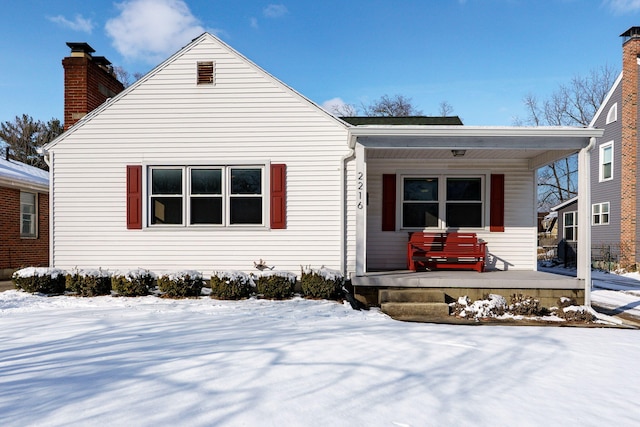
(389, 202)
(497, 203)
(134, 197)
(278, 196)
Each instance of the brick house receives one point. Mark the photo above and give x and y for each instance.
(24, 216)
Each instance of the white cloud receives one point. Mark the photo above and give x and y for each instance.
(623, 6)
(78, 24)
(254, 22)
(275, 11)
(338, 107)
(151, 30)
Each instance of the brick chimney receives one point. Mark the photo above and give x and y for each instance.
(88, 82)
(629, 152)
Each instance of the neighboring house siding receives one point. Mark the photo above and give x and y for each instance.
(246, 117)
(16, 251)
(607, 191)
(511, 249)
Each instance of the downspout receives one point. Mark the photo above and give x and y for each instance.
(584, 203)
(49, 161)
(343, 198)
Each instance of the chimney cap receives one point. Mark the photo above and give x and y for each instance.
(101, 60)
(81, 47)
(631, 33)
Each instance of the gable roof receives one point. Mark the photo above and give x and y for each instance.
(20, 175)
(606, 100)
(195, 42)
(564, 204)
(408, 120)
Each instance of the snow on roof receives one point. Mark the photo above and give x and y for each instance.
(17, 174)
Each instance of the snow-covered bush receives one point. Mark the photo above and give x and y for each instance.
(88, 283)
(231, 285)
(321, 283)
(180, 284)
(525, 305)
(40, 279)
(492, 306)
(132, 283)
(276, 284)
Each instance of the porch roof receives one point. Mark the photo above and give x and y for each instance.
(541, 145)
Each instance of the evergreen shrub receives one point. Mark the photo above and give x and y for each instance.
(40, 279)
(89, 283)
(187, 283)
(322, 283)
(231, 285)
(133, 283)
(275, 284)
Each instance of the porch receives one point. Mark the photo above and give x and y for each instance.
(547, 287)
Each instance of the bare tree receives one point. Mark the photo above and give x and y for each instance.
(344, 110)
(24, 136)
(124, 77)
(573, 104)
(446, 109)
(396, 106)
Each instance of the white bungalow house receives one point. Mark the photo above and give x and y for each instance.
(210, 163)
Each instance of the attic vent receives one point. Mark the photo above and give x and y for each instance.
(205, 73)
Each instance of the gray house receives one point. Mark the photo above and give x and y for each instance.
(614, 167)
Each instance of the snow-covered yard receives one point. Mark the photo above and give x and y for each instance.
(202, 362)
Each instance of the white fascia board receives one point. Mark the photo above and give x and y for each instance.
(606, 99)
(563, 204)
(23, 185)
(474, 137)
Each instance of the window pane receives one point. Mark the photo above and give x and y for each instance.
(245, 210)
(28, 225)
(425, 189)
(568, 234)
(166, 181)
(606, 155)
(166, 210)
(464, 189)
(464, 214)
(206, 181)
(419, 215)
(606, 170)
(605, 207)
(28, 199)
(206, 210)
(246, 181)
(568, 218)
(605, 218)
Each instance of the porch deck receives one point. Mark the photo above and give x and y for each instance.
(547, 287)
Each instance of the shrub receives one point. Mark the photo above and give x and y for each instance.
(40, 279)
(133, 283)
(187, 283)
(525, 305)
(231, 285)
(276, 284)
(321, 283)
(89, 283)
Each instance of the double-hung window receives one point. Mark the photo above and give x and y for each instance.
(606, 161)
(442, 202)
(206, 195)
(571, 226)
(28, 215)
(600, 213)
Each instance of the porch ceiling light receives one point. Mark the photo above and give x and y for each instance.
(458, 153)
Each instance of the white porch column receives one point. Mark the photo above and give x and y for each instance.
(361, 210)
(584, 219)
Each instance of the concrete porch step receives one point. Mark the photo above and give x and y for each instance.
(425, 310)
(411, 295)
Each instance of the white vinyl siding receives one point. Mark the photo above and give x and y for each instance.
(246, 118)
(512, 249)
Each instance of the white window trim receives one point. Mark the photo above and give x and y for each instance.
(442, 191)
(574, 226)
(34, 217)
(603, 147)
(186, 190)
(612, 115)
(600, 213)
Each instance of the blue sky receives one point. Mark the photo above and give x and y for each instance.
(481, 56)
